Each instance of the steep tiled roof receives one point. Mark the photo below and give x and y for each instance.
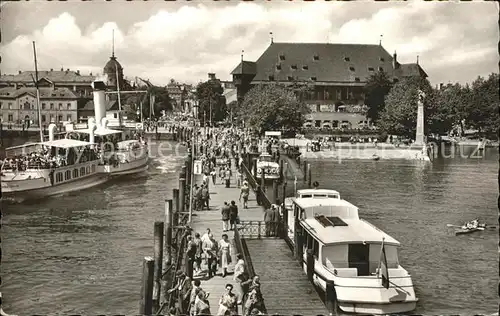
(111, 105)
(409, 70)
(245, 67)
(45, 93)
(322, 62)
(65, 76)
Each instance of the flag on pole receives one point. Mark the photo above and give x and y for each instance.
(383, 270)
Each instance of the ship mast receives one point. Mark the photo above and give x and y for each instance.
(117, 83)
(38, 96)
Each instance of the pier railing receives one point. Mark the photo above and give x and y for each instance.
(260, 229)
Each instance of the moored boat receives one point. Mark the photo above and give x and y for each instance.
(360, 259)
(50, 168)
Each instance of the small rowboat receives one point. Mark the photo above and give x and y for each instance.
(375, 157)
(464, 230)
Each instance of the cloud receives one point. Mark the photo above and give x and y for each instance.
(187, 42)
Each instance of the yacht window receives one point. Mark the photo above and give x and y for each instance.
(306, 196)
(88, 170)
(75, 173)
(320, 195)
(93, 168)
(334, 196)
(67, 175)
(59, 177)
(82, 171)
(309, 242)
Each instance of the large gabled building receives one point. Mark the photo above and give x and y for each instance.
(335, 74)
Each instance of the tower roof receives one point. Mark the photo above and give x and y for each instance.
(110, 67)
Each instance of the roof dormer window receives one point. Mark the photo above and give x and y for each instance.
(352, 68)
(271, 78)
(380, 69)
(316, 57)
(382, 59)
(356, 79)
(371, 69)
(305, 67)
(314, 78)
(294, 67)
(278, 67)
(347, 59)
(290, 78)
(282, 57)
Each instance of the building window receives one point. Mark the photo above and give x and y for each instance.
(347, 59)
(27, 106)
(68, 106)
(318, 108)
(1, 105)
(294, 67)
(282, 57)
(52, 106)
(10, 106)
(43, 106)
(60, 106)
(271, 78)
(352, 68)
(371, 69)
(68, 117)
(313, 78)
(278, 67)
(59, 118)
(305, 67)
(75, 173)
(317, 123)
(316, 57)
(382, 59)
(10, 118)
(82, 171)
(290, 78)
(51, 118)
(44, 118)
(380, 69)
(356, 79)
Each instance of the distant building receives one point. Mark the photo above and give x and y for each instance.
(335, 73)
(177, 93)
(18, 105)
(72, 80)
(112, 112)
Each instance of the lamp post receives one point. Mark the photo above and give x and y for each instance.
(193, 155)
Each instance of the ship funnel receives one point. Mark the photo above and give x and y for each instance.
(104, 122)
(99, 88)
(52, 130)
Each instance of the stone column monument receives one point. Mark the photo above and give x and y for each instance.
(419, 138)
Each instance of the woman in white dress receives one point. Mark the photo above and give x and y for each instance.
(224, 254)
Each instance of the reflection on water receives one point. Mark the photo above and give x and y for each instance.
(82, 253)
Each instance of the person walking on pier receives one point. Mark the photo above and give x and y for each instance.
(225, 212)
(254, 305)
(227, 177)
(202, 305)
(258, 195)
(268, 220)
(196, 289)
(183, 288)
(233, 215)
(213, 173)
(228, 303)
(241, 276)
(276, 220)
(211, 247)
(224, 254)
(205, 197)
(197, 257)
(190, 256)
(244, 193)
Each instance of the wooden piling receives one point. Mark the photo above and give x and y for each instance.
(175, 211)
(310, 264)
(275, 191)
(167, 258)
(187, 164)
(309, 177)
(305, 171)
(281, 169)
(285, 213)
(146, 305)
(159, 230)
(182, 195)
(330, 297)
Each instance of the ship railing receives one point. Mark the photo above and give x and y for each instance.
(260, 229)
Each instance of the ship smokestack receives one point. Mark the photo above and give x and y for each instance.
(99, 88)
(52, 130)
(92, 128)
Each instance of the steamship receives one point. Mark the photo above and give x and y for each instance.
(49, 168)
(123, 151)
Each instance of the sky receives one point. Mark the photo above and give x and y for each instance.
(185, 40)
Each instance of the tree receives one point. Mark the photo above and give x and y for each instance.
(484, 105)
(376, 89)
(399, 116)
(272, 107)
(451, 104)
(211, 101)
(162, 102)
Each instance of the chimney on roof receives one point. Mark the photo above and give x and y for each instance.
(417, 59)
(441, 86)
(78, 72)
(395, 61)
(211, 76)
(90, 73)
(51, 69)
(19, 71)
(271, 35)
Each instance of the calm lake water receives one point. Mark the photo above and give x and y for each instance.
(82, 253)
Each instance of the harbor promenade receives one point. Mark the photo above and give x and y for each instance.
(285, 287)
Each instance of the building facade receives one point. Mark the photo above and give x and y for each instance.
(178, 94)
(334, 74)
(19, 106)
